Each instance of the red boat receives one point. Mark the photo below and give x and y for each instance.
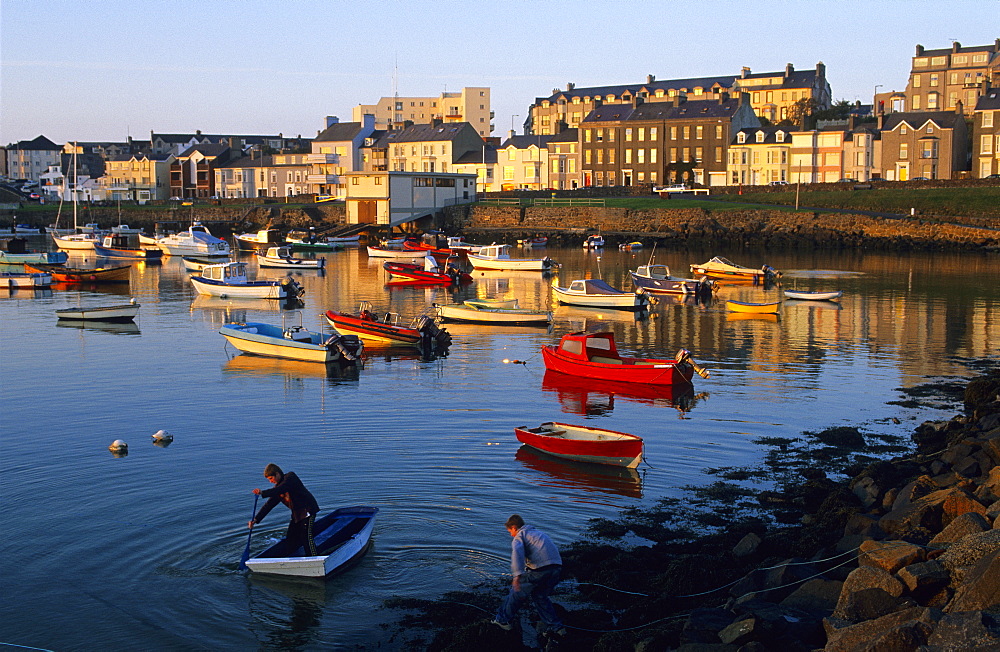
(387, 330)
(594, 355)
(583, 444)
(428, 273)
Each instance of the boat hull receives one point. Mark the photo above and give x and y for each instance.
(34, 258)
(623, 301)
(341, 537)
(75, 242)
(669, 285)
(464, 312)
(249, 290)
(122, 313)
(372, 330)
(379, 252)
(634, 370)
(813, 296)
(583, 444)
(138, 254)
(120, 274)
(273, 342)
(527, 264)
(291, 263)
(753, 308)
(30, 280)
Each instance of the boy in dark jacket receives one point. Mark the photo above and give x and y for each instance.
(289, 490)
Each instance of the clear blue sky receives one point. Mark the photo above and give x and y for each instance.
(104, 69)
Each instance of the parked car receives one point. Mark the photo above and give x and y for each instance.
(34, 195)
(848, 180)
(778, 183)
(175, 199)
(992, 176)
(919, 179)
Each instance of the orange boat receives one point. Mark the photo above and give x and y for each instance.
(78, 275)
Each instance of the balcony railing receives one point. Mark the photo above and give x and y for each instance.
(322, 178)
(322, 158)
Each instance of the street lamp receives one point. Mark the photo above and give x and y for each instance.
(512, 121)
(875, 99)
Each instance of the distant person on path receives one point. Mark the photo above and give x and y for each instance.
(537, 568)
(289, 489)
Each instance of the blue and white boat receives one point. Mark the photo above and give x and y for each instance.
(196, 241)
(15, 253)
(341, 537)
(230, 280)
(295, 343)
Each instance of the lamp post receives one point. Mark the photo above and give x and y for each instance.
(512, 121)
(875, 98)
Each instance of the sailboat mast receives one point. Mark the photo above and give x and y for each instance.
(75, 145)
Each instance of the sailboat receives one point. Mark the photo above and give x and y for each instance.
(76, 241)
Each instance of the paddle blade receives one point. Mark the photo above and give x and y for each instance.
(246, 551)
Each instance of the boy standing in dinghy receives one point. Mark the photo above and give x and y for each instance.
(289, 490)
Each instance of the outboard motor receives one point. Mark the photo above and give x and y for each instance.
(683, 356)
(350, 347)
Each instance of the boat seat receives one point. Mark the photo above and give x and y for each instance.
(556, 433)
(603, 360)
(249, 329)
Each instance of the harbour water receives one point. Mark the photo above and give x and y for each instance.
(142, 551)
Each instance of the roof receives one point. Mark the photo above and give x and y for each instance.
(725, 81)
(425, 132)
(487, 155)
(652, 111)
(960, 50)
(37, 144)
(565, 136)
(209, 149)
(524, 142)
(989, 101)
(792, 79)
(250, 162)
(915, 119)
(339, 131)
(770, 135)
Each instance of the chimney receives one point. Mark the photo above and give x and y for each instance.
(650, 79)
(436, 122)
(332, 120)
(996, 45)
(367, 122)
(744, 98)
(789, 69)
(881, 120)
(511, 134)
(197, 132)
(407, 124)
(570, 86)
(955, 45)
(744, 72)
(637, 101)
(958, 107)
(723, 98)
(920, 50)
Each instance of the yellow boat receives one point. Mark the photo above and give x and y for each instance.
(756, 308)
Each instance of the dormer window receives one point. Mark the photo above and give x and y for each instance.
(741, 137)
(760, 136)
(780, 136)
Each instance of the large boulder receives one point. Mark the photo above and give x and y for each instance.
(924, 517)
(924, 578)
(964, 524)
(890, 556)
(967, 631)
(913, 624)
(980, 588)
(868, 604)
(817, 597)
(965, 554)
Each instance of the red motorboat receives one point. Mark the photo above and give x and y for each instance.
(583, 444)
(594, 355)
(428, 273)
(386, 329)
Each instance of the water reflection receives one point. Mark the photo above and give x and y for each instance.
(597, 397)
(127, 328)
(245, 365)
(567, 474)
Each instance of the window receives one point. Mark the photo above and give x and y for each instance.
(932, 100)
(652, 133)
(930, 128)
(916, 81)
(586, 135)
(903, 150)
(673, 154)
(508, 172)
(699, 132)
(916, 103)
(987, 118)
(760, 136)
(986, 144)
(628, 134)
(640, 155)
(600, 157)
(511, 154)
(741, 137)
(697, 154)
(686, 154)
(628, 157)
(718, 131)
(779, 136)
(586, 156)
(686, 132)
(902, 130)
(934, 80)
(642, 133)
(718, 155)
(979, 58)
(611, 156)
(611, 135)
(928, 149)
(939, 61)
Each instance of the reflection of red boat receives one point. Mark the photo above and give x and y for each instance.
(594, 355)
(428, 273)
(583, 444)
(595, 397)
(386, 329)
(580, 476)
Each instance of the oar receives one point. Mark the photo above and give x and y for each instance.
(246, 551)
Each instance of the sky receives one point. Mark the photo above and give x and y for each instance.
(108, 69)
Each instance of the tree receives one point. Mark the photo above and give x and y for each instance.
(800, 112)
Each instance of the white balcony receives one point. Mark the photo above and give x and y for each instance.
(322, 178)
(327, 159)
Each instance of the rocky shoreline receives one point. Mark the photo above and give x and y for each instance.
(900, 554)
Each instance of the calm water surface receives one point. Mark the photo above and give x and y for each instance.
(142, 551)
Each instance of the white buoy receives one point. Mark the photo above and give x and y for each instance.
(118, 447)
(162, 436)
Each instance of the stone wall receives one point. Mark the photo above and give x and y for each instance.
(762, 227)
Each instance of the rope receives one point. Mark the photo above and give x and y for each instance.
(26, 647)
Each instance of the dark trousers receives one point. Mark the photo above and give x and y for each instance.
(536, 585)
(300, 537)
